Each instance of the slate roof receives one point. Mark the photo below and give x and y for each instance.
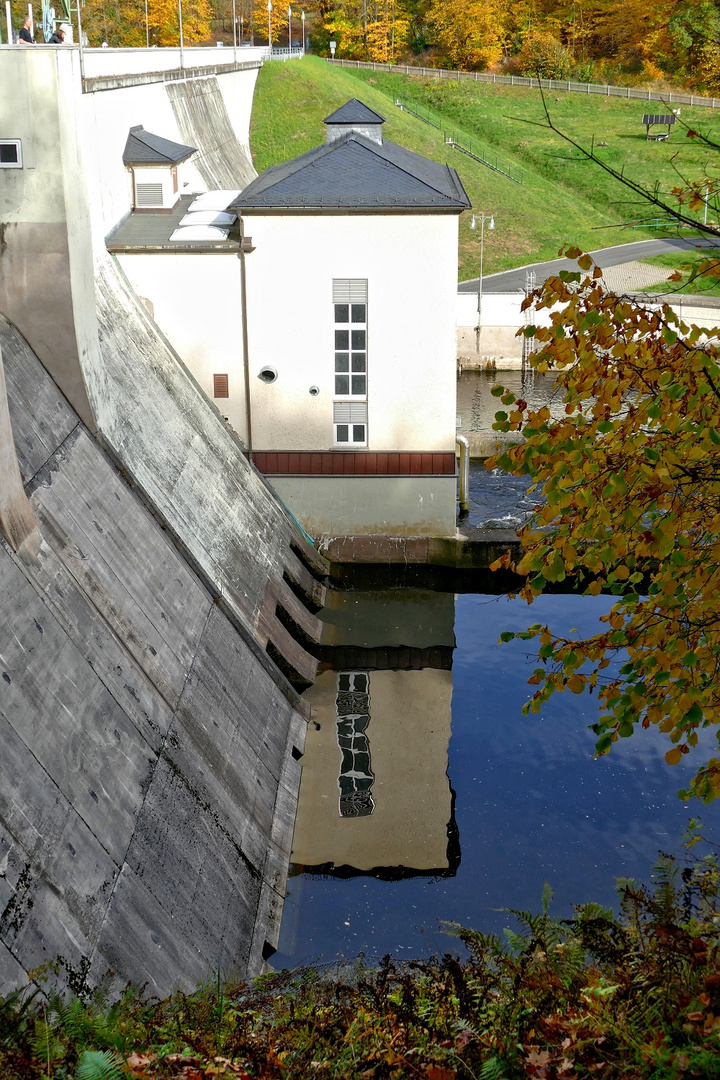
(355, 173)
(354, 112)
(143, 148)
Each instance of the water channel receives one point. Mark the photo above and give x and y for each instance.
(427, 796)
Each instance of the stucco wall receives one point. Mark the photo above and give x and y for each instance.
(411, 325)
(410, 262)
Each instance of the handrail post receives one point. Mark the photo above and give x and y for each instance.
(464, 474)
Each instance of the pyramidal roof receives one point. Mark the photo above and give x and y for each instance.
(354, 112)
(144, 148)
(355, 174)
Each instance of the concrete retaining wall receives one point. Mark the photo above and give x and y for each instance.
(148, 772)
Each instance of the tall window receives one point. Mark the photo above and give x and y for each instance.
(351, 331)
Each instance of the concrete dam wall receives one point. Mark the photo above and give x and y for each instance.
(148, 748)
(151, 628)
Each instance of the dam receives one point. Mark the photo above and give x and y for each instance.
(155, 593)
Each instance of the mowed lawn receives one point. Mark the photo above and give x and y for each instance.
(563, 200)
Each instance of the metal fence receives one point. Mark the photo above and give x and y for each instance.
(547, 84)
(462, 142)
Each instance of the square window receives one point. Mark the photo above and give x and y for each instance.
(358, 433)
(10, 154)
(342, 433)
(342, 361)
(358, 339)
(358, 362)
(358, 313)
(358, 384)
(342, 312)
(342, 339)
(342, 384)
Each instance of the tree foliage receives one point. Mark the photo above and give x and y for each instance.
(122, 23)
(631, 482)
(605, 38)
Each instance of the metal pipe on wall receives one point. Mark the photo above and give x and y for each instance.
(246, 358)
(464, 473)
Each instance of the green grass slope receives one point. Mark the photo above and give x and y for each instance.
(563, 199)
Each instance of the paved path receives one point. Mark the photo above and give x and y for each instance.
(514, 280)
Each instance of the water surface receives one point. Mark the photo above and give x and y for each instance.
(518, 801)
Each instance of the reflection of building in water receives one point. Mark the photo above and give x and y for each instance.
(353, 716)
(406, 825)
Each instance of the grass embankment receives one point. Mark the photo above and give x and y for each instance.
(629, 998)
(563, 198)
(688, 263)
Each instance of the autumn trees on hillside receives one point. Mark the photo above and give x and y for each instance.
(669, 37)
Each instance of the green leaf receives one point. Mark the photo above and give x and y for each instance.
(507, 635)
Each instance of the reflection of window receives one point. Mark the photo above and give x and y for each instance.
(353, 716)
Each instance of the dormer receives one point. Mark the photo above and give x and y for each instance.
(354, 116)
(154, 163)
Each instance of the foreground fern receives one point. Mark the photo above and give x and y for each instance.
(628, 997)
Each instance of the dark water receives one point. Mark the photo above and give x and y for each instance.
(497, 500)
(531, 804)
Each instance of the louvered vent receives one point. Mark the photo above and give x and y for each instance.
(349, 290)
(220, 386)
(149, 194)
(350, 412)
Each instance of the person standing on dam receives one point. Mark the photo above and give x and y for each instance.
(25, 36)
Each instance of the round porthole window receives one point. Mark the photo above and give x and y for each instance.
(314, 391)
(268, 374)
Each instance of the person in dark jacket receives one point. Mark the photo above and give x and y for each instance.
(25, 37)
(58, 37)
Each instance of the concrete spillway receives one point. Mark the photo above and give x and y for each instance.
(148, 746)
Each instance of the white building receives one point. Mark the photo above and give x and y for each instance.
(351, 283)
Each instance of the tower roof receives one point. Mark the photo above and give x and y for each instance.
(354, 112)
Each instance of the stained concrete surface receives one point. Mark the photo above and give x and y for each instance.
(147, 777)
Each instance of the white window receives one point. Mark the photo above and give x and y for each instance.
(149, 194)
(350, 314)
(350, 423)
(10, 154)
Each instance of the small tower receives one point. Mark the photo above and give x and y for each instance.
(357, 117)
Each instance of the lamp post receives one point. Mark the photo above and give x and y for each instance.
(147, 27)
(289, 28)
(182, 55)
(473, 225)
(269, 11)
(303, 31)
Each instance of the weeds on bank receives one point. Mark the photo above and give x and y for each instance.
(634, 996)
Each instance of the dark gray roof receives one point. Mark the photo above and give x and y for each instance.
(355, 173)
(143, 148)
(354, 112)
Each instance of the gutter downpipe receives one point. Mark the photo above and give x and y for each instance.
(464, 473)
(246, 358)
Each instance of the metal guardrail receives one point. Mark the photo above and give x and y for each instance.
(286, 54)
(462, 143)
(546, 84)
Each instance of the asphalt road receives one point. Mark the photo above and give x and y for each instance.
(514, 280)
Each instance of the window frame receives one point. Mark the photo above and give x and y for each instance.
(12, 164)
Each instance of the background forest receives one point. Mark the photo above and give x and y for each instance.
(616, 41)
